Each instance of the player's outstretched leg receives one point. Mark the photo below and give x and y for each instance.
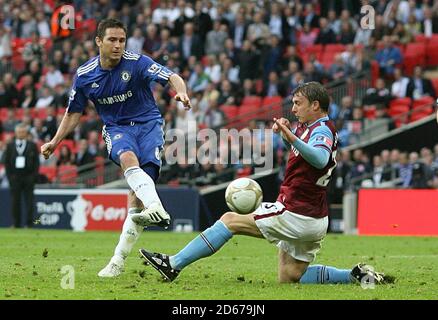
(361, 273)
(129, 236)
(204, 245)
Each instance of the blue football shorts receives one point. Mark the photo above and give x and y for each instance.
(145, 140)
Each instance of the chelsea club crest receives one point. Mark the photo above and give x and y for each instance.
(126, 76)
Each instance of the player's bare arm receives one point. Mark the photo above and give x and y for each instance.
(179, 86)
(68, 123)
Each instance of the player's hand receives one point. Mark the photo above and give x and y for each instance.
(184, 98)
(283, 121)
(284, 128)
(47, 149)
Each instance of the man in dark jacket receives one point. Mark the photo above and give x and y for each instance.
(21, 161)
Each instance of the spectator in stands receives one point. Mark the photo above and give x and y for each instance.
(420, 172)
(190, 44)
(311, 73)
(377, 96)
(93, 143)
(198, 80)
(388, 57)
(39, 131)
(58, 61)
(215, 40)
(333, 110)
(360, 166)
(347, 34)
(33, 50)
(229, 71)
(310, 16)
(42, 25)
(400, 84)
(213, 69)
(5, 42)
(53, 77)
(339, 69)
(92, 123)
(326, 34)
(10, 122)
(248, 59)
(258, 31)
(419, 86)
(289, 55)
(202, 21)
(83, 156)
(11, 93)
(307, 37)
(381, 171)
(136, 41)
(28, 99)
(429, 25)
(405, 170)
(46, 98)
(226, 93)
(213, 117)
(273, 86)
(65, 156)
(273, 55)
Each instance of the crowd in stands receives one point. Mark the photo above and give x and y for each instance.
(391, 168)
(227, 51)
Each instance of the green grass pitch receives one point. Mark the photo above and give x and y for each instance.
(31, 262)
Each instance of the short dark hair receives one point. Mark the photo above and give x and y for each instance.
(109, 23)
(314, 91)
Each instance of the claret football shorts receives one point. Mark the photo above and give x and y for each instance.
(298, 235)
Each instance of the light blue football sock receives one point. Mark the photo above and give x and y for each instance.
(323, 274)
(204, 245)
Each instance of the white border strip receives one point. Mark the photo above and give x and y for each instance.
(77, 191)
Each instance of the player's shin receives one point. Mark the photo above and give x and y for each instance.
(318, 274)
(129, 236)
(143, 185)
(204, 245)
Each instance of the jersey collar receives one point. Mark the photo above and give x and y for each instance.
(326, 118)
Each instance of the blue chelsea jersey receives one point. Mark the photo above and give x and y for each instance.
(122, 94)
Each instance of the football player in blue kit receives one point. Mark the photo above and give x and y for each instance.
(118, 82)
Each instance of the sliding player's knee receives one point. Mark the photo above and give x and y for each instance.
(287, 275)
(230, 220)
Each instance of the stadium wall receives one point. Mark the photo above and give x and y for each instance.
(397, 212)
(92, 209)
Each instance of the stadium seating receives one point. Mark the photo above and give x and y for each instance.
(67, 174)
(254, 101)
(230, 112)
(49, 172)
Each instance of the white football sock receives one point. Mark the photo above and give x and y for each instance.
(143, 185)
(129, 236)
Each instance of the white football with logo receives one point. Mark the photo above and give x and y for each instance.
(243, 195)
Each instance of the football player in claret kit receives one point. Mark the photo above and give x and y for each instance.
(118, 83)
(297, 223)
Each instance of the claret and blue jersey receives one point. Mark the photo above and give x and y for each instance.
(121, 95)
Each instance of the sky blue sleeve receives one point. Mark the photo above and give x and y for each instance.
(153, 71)
(317, 151)
(77, 100)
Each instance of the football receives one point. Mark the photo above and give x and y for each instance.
(243, 195)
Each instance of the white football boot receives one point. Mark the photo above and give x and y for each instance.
(154, 215)
(113, 269)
